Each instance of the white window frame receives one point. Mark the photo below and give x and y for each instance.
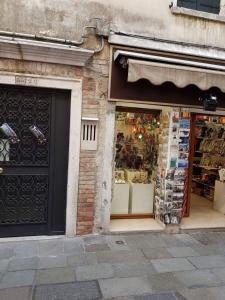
(199, 14)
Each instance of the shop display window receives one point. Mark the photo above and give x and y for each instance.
(136, 154)
(136, 147)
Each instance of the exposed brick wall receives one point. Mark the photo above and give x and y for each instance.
(94, 97)
(87, 186)
(95, 88)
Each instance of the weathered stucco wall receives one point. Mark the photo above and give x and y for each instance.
(65, 19)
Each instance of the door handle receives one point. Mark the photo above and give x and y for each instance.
(38, 134)
(9, 133)
(1, 170)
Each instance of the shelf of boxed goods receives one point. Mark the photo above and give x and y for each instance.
(203, 183)
(206, 167)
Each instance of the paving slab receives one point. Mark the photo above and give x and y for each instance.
(207, 262)
(209, 238)
(17, 279)
(82, 259)
(4, 264)
(96, 247)
(56, 275)
(29, 263)
(70, 291)
(92, 272)
(154, 253)
(171, 240)
(51, 247)
(213, 293)
(198, 278)
(165, 282)
(172, 265)
(209, 250)
(182, 251)
(73, 245)
(121, 298)
(117, 242)
(120, 256)
(140, 241)
(19, 293)
(48, 262)
(164, 296)
(220, 273)
(116, 287)
(26, 249)
(6, 252)
(133, 269)
(187, 239)
(94, 239)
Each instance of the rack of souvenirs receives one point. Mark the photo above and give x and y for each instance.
(171, 182)
(209, 155)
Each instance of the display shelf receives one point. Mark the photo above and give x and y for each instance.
(204, 195)
(206, 167)
(203, 183)
(200, 125)
(207, 141)
(209, 138)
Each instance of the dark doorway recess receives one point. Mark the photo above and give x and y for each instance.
(33, 174)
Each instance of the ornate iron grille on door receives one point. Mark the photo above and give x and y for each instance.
(24, 159)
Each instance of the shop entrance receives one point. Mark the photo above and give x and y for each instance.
(136, 153)
(206, 199)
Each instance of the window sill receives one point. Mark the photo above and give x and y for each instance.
(198, 14)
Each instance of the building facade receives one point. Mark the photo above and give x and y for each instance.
(68, 60)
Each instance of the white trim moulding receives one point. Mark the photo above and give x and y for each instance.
(43, 52)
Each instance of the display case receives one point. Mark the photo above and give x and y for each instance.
(219, 197)
(120, 202)
(141, 198)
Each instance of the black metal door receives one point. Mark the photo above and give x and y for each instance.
(34, 138)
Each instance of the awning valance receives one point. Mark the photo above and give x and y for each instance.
(158, 73)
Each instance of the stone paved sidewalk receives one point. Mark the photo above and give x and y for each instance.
(155, 266)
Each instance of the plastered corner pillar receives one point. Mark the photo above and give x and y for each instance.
(108, 167)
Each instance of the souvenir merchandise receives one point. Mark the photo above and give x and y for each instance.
(222, 174)
(136, 160)
(209, 154)
(119, 176)
(175, 156)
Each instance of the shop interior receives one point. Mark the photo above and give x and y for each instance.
(136, 157)
(206, 203)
